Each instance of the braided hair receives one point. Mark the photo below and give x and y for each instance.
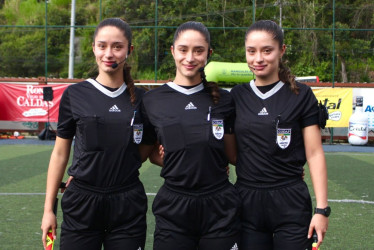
(129, 82)
(272, 28)
(212, 87)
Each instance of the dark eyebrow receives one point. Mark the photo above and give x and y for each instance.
(115, 43)
(264, 47)
(197, 47)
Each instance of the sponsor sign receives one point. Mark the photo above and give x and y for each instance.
(339, 105)
(20, 102)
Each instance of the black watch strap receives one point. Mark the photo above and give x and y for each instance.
(324, 211)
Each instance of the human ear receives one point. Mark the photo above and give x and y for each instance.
(172, 50)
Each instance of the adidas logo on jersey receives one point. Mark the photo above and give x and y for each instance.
(263, 111)
(114, 108)
(190, 106)
(235, 247)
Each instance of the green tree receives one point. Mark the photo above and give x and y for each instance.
(307, 27)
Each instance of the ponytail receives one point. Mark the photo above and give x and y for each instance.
(212, 87)
(129, 82)
(286, 77)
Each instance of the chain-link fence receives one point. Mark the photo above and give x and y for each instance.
(325, 38)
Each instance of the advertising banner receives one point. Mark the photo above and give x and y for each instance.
(368, 105)
(339, 104)
(20, 102)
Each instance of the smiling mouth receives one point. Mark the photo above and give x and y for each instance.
(190, 66)
(259, 67)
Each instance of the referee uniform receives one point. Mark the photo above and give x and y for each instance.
(277, 207)
(197, 207)
(106, 203)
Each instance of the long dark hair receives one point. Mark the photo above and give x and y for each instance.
(272, 28)
(125, 28)
(212, 87)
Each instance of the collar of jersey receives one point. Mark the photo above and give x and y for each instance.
(184, 90)
(105, 91)
(267, 94)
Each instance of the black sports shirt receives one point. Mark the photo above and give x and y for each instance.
(268, 129)
(105, 154)
(184, 120)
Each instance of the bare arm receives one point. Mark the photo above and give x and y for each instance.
(157, 155)
(318, 172)
(56, 170)
(230, 148)
(145, 151)
(154, 152)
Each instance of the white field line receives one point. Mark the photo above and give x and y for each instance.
(154, 194)
(348, 153)
(352, 201)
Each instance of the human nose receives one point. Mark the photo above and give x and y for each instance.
(108, 52)
(258, 57)
(190, 57)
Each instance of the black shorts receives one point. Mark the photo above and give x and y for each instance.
(185, 220)
(94, 217)
(275, 217)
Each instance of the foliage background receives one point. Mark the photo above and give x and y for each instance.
(307, 27)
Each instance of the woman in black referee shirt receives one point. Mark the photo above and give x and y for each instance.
(105, 205)
(197, 207)
(277, 132)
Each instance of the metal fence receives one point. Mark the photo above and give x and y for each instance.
(159, 48)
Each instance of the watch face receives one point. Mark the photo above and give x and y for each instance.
(327, 211)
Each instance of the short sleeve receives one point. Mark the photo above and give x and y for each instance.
(66, 126)
(149, 136)
(230, 119)
(310, 114)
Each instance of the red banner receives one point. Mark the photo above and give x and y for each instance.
(20, 102)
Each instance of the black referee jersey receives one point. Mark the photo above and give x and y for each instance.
(105, 152)
(269, 131)
(191, 129)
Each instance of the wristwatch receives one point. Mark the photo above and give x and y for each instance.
(324, 211)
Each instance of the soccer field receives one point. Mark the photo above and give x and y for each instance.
(23, 171)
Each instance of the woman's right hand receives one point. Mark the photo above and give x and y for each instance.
(66, 184)
(56, 170)
(161, 151)
(49, 222)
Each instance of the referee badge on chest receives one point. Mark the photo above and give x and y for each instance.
(137, 132)
(217, 129)
(283, 137)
